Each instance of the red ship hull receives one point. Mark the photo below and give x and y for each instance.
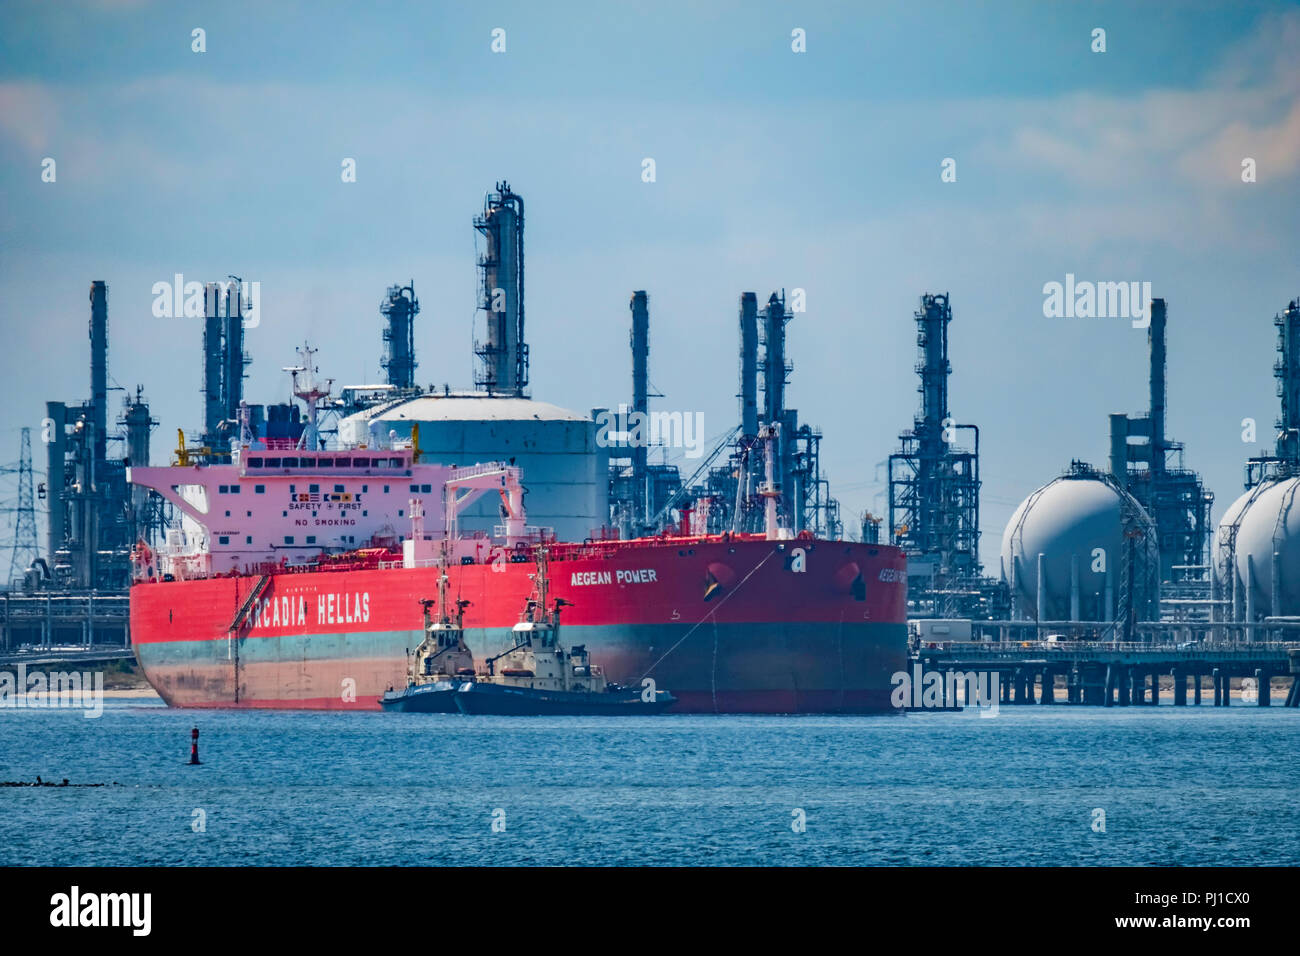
(739, 625)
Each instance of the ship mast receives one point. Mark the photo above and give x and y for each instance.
(306, 388)
(535, 612)
(443, 584)
(770, 490)
(543, 582)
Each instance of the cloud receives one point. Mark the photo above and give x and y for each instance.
(29, 113)
(1275, 147)
(1169, 139)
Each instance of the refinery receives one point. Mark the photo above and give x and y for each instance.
(1120, 552)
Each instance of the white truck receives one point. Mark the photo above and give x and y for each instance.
(939, 630)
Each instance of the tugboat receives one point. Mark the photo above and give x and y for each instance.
(439, 665)
(539, 675)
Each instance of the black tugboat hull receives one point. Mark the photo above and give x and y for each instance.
(437, 698)
(495, 699)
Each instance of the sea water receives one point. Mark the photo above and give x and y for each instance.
(1034, 785)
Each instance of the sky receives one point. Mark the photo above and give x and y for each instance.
(818, 170)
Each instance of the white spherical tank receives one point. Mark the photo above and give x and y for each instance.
(1221, 546)
(1264, 564)
(1076, 524)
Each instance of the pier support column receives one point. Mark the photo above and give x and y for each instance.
(1049, 687)
(1155, 688)
(1030, 677)
(1108, 700)
(1218, 687)
(1293, 695)
(1139, 694)
(1180, 688)
(1092, 686)
(1262, 681)
(1125, 686)
(1197, 679)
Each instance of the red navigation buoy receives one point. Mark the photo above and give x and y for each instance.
(194, 746)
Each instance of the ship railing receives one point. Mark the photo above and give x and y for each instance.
(401, 563)
(388, 558)
(532, 533)
(1015, 648)
(595, 549)
(604, 548)
(473, 471)
(354, 561)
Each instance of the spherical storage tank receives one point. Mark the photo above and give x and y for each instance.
(1267, 522)
(1076, 524)
(1222, 545)
(564, 470)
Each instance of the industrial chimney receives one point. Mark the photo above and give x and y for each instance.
(640, 394)
(749, 365)
(99, 367)
(504, 353)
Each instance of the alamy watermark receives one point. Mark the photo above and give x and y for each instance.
(935, 690)
(624, 429)
(1098, 300)
(52, 690)
(126, 910)
(181, 299)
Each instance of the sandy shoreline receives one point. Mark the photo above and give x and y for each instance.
(132, 693)
(72, 699)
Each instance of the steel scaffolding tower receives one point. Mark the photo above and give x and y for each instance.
(933, 482)
(1151, 470)
(1285, 460)
(26, 548)
(728, 496)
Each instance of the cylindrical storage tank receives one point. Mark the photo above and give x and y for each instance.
(1076, 524)
(565, 471)
(1268, 524)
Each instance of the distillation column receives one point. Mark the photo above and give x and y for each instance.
(640, 339)
(505, 353)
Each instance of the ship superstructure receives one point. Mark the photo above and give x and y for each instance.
(284, 502)
(286, 507)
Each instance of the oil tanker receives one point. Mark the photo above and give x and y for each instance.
(241, 607)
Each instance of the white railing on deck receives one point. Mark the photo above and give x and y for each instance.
(472, 471)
